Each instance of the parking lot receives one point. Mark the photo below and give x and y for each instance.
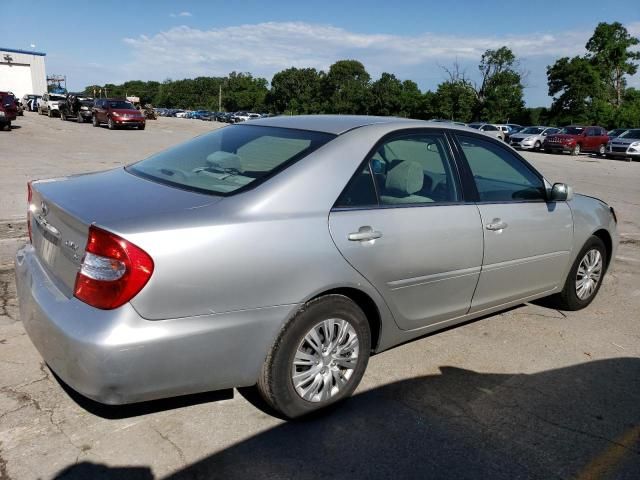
(532, 392)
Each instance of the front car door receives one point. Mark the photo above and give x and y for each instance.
(402, 223)
(527, 240)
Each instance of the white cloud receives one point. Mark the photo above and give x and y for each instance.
(265, 48)
(181, 14)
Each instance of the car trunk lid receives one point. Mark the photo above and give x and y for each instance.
(63, 209)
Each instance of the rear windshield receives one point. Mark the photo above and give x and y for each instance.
(230, 158)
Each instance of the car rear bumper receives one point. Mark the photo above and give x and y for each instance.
(118, 357)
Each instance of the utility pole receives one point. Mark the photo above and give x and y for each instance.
(220, 97)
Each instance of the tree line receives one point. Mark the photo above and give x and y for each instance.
(585, 89)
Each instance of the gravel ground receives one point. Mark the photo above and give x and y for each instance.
(527, 393)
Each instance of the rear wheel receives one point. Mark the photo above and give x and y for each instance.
(49, 114)
(79, 118)
(6, 126)
(585, 277)
(62, 116)
(94, 121)
(318, 358)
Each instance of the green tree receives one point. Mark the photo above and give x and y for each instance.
(500, 94)
(346, 88)
(610, 52)
(386, 95)
(411, 100)
(241, 91)
(455, 100)
(574, 83)
(296, 90)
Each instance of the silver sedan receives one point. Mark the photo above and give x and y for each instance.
(531, 138)
(281, 253)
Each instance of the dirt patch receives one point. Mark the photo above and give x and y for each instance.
(13, 229)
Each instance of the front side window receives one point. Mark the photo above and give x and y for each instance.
(499, 175)
(409, 169)
(229, 158)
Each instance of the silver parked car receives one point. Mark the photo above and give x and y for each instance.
(531, 138)
(283, 252)
(490, 129)
(626, 145)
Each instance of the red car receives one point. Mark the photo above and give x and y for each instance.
(117, 113)
(575, 139)
(8, 110)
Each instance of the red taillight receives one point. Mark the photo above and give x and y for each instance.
(29, 197)
(113, 270)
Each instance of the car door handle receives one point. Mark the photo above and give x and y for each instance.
(496, 224)
(364, 234)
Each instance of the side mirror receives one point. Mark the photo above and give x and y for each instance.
(561, 192)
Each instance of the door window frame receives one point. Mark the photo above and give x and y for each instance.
(471, 190)
(397, 135)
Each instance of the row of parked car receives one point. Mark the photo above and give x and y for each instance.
(573, 139)
(114, 112)
(226, 117)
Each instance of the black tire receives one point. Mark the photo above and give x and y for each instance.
(110, 124)
(576, 150)
(62, 116)
(49, 114)
(537, 146)
(94, 121)
(568, 298)
(79, 118)
(6, 126)
(275, 384)
(601, 150)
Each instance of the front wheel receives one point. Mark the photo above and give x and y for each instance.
(111, 124)
(49, 114)
(318, 358)
(576, 150)
(585, 277)
(537, 146)
(94, 121)
(79, 118)
(601, 150)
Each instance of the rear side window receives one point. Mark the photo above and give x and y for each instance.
(405, 170)
(230, 158)
(499, 175)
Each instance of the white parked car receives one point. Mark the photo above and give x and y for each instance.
(49, 104)
(489, 129)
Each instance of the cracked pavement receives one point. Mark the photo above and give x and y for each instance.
(527, 393)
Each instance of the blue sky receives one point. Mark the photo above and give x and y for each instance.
(113, 41)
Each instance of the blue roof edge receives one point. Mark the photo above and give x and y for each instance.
(28, 52)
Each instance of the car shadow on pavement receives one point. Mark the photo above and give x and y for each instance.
(581, 421)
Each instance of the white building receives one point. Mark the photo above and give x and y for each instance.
(22, 72)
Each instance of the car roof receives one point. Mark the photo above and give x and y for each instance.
(335, 124)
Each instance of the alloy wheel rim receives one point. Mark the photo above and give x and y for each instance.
(588, 274)
(325, 360)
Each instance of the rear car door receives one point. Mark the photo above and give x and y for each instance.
(402, 223)
(527, 241)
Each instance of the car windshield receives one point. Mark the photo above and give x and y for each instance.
(616, 132)
(230, 158)
(631, 134)
(532, 130)
(122, 105)
(572, 130)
